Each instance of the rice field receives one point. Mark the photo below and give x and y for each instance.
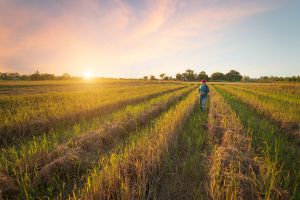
(134, 139)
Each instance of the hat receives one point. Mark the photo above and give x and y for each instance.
(203, 81)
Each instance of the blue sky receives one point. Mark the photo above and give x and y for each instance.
(268, 43)
(132, 38)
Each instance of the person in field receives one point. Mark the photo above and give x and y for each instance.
(203, 94)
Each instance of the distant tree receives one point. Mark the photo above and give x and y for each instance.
(167, 78)
(218, 76)
(162, 75)
(25, 77)
(246, 79)
(152, 77)
(47, 77)
(145, 77)
(293, 79)
(10, 76)
(263, 79)
(37, 76)
(179, 77)
(184, 76)
(277, 79)
(233, 75)
(66, 76)
(202, 75)
(2, 76)
(189, 75)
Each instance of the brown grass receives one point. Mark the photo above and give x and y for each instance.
(283, 113)
(74, 158)
(292, 130)
(71, 160)
(11, 135)
(83, 150)
(8, 187)
(234, 169)
(130, 175)
(64, 166)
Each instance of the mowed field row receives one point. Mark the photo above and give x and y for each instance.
(156, 143)
(276, 147)
(12, 88)
(44, 155)
(254, 160)
(29, 115)
(282, 110)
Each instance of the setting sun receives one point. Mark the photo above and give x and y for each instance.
(88, 75)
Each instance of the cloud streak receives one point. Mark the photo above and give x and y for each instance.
(106, 36)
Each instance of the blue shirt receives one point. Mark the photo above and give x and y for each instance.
(203, 90)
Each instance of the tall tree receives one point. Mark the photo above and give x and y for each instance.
(66, 76)
(179, 77)
(162, 75)
(233, 75)
(202, 75)
(152, 77)
(190, 75)
(218, 76)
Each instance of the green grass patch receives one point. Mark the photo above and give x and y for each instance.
(184, 174)
(281, 155)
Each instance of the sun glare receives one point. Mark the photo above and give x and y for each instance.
(88, 75)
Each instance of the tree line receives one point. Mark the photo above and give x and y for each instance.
(231, 76)
(188, 75)
(34, 77)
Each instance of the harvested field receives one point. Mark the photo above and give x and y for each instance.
(133, 139)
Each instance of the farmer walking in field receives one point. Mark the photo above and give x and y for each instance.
(203, 92)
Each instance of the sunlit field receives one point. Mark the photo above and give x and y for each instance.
(134, 139)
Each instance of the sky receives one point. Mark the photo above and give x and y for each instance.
(133, 38)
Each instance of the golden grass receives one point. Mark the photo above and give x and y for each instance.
(128, 175)
(77, 156)
(277, 110)
(24, 116)
(275, 93)
(115, 142)
(184, 173)
(286, 114)
(233, 166)
(277, 155)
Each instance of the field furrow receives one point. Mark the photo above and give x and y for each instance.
(285, 89)
(37, 116)
(136, 139)
(279, 157)
(286, 115)
(274, 95)
(234, 170)
(67, 163)
(184, 172)
(40, 87)
(128, 175)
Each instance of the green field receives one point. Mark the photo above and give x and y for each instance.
(134, 139)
